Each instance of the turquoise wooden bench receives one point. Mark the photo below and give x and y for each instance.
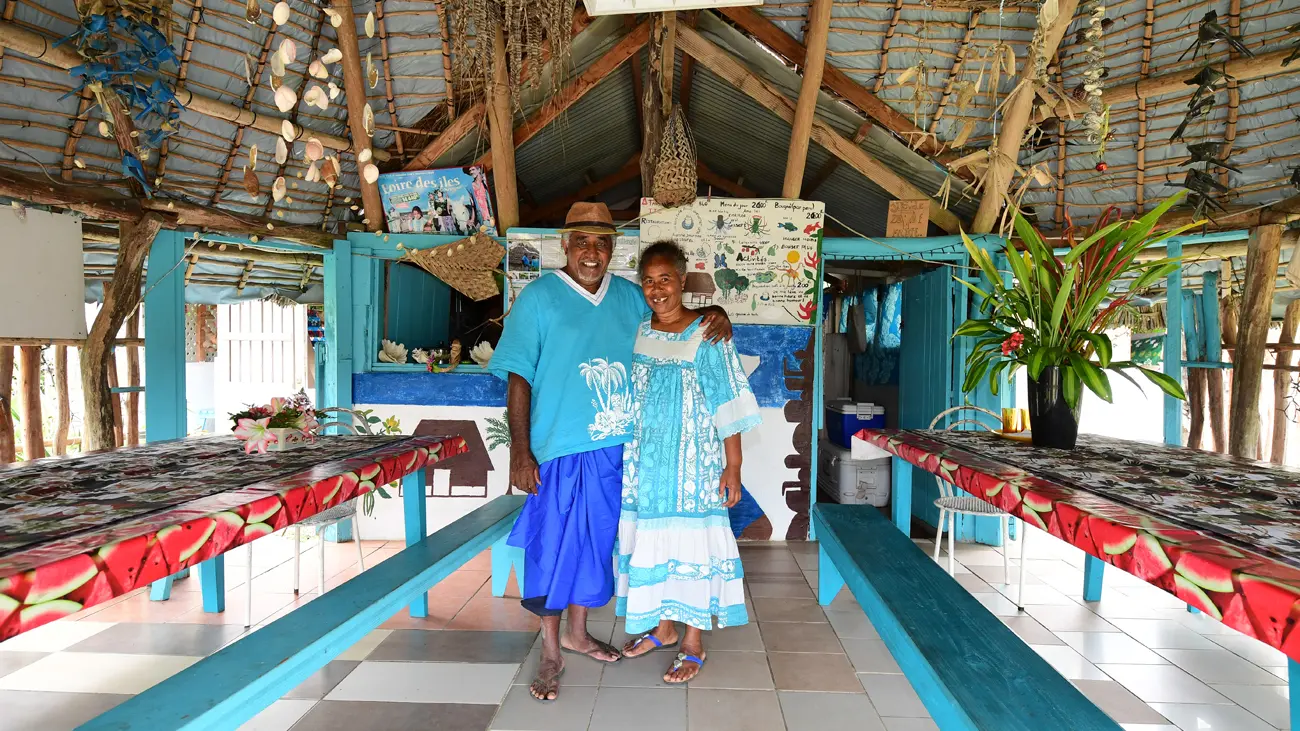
(971, 671)
(228, 688)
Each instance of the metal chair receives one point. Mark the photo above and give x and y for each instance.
(351, 422)
(951, 505)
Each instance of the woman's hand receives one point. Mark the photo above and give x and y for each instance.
(716, 323)
(524, 473)
(729, 489)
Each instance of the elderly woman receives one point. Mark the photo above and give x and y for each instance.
(677, 557)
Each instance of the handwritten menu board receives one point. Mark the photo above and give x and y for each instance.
(757, 259)
(908, 219)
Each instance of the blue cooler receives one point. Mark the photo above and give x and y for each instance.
(846, 418)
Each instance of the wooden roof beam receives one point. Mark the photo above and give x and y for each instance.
(819, 27)
(756, 88)
(500, 124)
(354, 89)
(556, 209)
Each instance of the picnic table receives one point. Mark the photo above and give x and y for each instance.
(1220, 533)
(78, 531)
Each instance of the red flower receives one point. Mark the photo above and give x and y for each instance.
(1012, 343)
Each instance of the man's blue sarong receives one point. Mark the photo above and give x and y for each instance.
(567, 532)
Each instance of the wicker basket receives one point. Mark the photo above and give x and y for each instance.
(675, 178)
(467, 266)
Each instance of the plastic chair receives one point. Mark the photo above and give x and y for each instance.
(351, 422)
(951, 505)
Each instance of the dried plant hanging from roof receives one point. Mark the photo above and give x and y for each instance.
(676, 170)
(527, 24)
(468, 266)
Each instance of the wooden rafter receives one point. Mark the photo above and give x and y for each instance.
(354, 89)
(819, 26)
(688, 68)
(771, 35)
(758, 89)
(963, 47)
(556, 209)
(293, 113)
(894, 14)
(238, 140)
(390, 101)
(731, 187)
(613, 59)
(500, 125)
(1234, 94)
(830, 166)
(1148, 24)
(75, 132)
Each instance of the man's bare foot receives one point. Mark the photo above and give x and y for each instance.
(593, 648)
(638, 646)
(546, 686)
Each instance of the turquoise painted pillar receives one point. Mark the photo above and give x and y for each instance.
(1173, 345)
(417, 526)
(1293, 679)
(818, 406)
(336, 391)
(164, 356)
(1093, 570)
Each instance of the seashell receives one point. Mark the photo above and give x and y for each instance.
(80, 165)
(313, 173)
(334, 90)
(103, 129)
(287, 131)
(372, 73)
(288, 50)
(370, 173)
(370, 24)
(251, 184)
(317, 69)
(276, 82)
(280, 14)
(253, 11)
(335, 18)
(279, 189)
(248, 70)
(481, 353)
(314, 150)
(420, 355)
(390, 352)
(252, 156)
(281, 150)
(368, 119)
(365, 155)
(333, 55)
(285, 98)
(277, 64)
(316, 97)
(329, 171)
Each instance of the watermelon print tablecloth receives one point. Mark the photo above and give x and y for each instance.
(75, 532)
(1222, 534)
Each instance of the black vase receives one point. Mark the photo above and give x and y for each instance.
(1052, 422)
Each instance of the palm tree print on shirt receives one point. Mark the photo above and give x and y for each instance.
(613, 402)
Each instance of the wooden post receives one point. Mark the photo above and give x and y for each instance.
(1014, 121)
(114, 381)
(1253, 322)
(64, 419)
(354, 85)
(501, 122)
(1282, 380)
(29, 385)
(819, 24)
(1192, 335)
(654, 105)
(132, 428)
(120, 296)
(8, 453)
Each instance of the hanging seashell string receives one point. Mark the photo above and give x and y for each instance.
(1096, 119)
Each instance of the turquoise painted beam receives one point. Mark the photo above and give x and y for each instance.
(1173, 417)
(416, 515)
(375, 245)
(337, 390)
(1210, 237)
(365, 347)
(819, 391)
(935, 247)
(1211, 335)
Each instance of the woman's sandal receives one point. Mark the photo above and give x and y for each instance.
(681, 659)
(659, 645)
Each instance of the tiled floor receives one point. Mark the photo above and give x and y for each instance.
(1138, 654)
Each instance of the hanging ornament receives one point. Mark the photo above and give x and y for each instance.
(313, 150)
(1094, 121)
(277, 64)
(370, 24)
(103, 129)
(251, 185)
(252, 156)
(285, 98)
(280, 14)
(313, 173)
(317, 69)
(368, 119)
(287, 131)
(281, 150)
(333, 55)
(329, 171)
(336, 19)
(276, 82)
(364, 156)
(370, 173)
(253, 11)
(1102, 166)
(288, 50)
(278, 189)
(317, 97)
(372, 73)
(334, 90)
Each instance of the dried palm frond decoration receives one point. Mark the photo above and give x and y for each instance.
(1096, 120)
(675, 178)
(468, 266)
(527, 26)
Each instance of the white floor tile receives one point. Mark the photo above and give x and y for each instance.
(998, 604)
(1110, 647)
(1251, 649)
(54, 637)
(1219, 666)
(1070, 664)
(1069, 618)
(1118, 702)
(892, 695)
(1269, 702)
(1211, 718)
(96, 672)
(1163, 684)
(426, 682)
(365, 645)
(1163, 634)
(279, 716)
(910, 724)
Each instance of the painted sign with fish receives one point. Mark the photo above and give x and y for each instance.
(755, 258)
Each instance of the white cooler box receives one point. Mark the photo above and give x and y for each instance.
(849, 481)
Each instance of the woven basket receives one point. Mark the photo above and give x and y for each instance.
(467, 266)
(675, 180)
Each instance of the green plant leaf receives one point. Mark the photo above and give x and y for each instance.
(1092, 376)
(982, 294)
(1036, 363)
(1087, 243)
(1058, 306)
(1070, 387)
(1166, 384)
(1101, 344)
(974, 327)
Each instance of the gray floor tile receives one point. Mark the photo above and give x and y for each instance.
(1117, 702)
(195, 640)
(1030, 631)
(426, 682)
(780, 609)
(974, 584)
(870, 656)
(829, 712)
(11, 661)
(911, 724)
(733, 710)
(813, 671)
(852, 625)
(39, 711)
(571, 711)
(745, 638)
(640, 709)
(1211, 718)
(323, 681)
(1070, 664)
(279, 716)
(790, 588)
(799, 637)
(377, 716)
(577, 670)
(453, 646)
(735, 671)
(892, 695)
(646, 671)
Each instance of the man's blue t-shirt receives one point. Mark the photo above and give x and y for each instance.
(575, 349)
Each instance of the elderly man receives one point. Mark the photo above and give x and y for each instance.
(566, 354)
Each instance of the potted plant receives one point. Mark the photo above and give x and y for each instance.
(1051, 317)
(278, 425)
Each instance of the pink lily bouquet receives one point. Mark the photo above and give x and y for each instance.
(276, 425)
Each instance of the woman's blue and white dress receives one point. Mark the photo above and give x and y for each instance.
(677, 556)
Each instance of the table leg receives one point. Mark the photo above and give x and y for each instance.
(1293, 679)
(829, 580)
(417, 526)
(1093, 568)
(901, 499)
(504, 558)
(212, 580)
(161, 590)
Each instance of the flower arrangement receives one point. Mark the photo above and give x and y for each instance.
(261, 427)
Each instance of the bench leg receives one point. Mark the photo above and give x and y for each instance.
(417, 526)
(161, 590)
(1093, 568)
(901, 499)
(829, 581)
(505, 558)
(212, 580)
(1293, 678)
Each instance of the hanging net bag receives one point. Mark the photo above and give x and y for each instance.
(675, 173)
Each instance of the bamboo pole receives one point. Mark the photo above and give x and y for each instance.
(501, 130)
(819, 23)
(1282, 381)
(354, 86)
(114, 381)
(29, 386)
(133, 379)
(8, 452)
(1196, 391)
(64, 418)
(1256, 302)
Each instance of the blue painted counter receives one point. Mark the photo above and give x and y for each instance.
(429, 389)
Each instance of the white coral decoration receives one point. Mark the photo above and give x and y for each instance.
(420, 355)
(392, 352)
(482, 353)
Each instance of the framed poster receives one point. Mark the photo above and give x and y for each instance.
(447, 201)
(757, 259)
